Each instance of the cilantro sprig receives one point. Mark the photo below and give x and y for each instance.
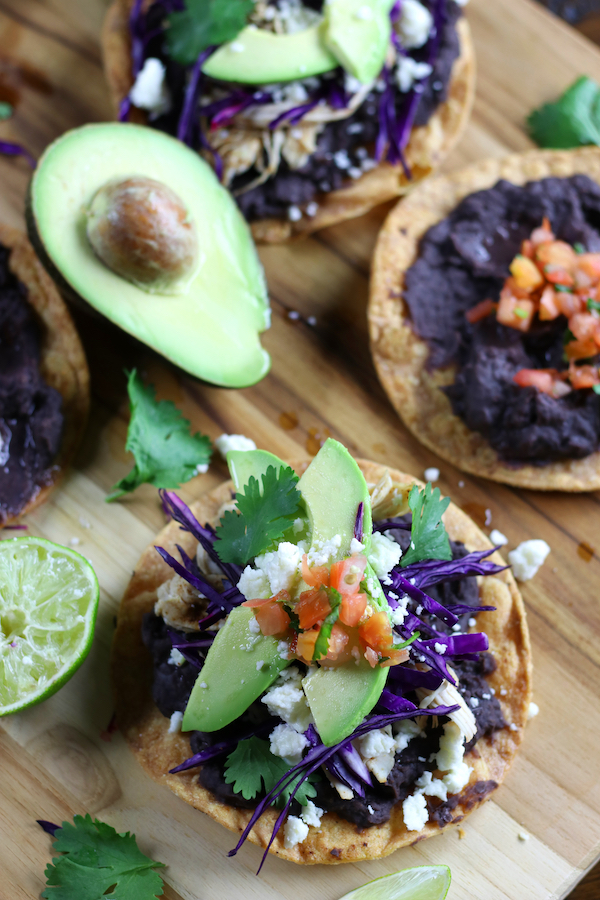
(166, 453)
(428, 536)
(252, 768)
(203, 24)
(264, 516)
(322, 643)
(97, 860)
(573, 120)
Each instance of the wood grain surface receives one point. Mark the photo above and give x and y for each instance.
(58, 759)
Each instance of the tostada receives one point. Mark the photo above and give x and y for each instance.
(311, 112)
(324, 672)
(44, 380)
(484, 317)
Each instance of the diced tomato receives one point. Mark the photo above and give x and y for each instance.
(514, 312)
(376, 632)
(480, 311)
(590, 264)
(527, 249)
(526, 274)
(371, 657)
(272, 617)
(305, 646)
(347, 574)
(549, 308)
(514, 290)
(312, 607)
(584, 326)
(583, 376)
(353, 608)
(580, 349)
(581, 279)
(555, 253)
(338, 641)
(315, 577)
(542, 379)
(395, 657)
(253, 604)
(569, 304)
(542, 235)
(558, 275)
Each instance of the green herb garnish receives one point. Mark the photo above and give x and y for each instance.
(252, 768)
(562, 288)
(203, 24)
(166, 453)
(596, 388)
(579, 248)
(322, 642)
(98, 860)
(570, 122)
(593, 305)
(6, 111)
(520, 312)
(264, 516)
(428, 536)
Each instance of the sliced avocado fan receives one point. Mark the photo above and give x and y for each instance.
(211, 326)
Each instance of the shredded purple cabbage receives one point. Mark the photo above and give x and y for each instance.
(411, 679)
(358, 523)
(10, 149)
(49, 827)
(435, 571)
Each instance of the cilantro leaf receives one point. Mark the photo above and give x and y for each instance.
(428, 536)
(264, 516)
(97, 859)
(322, 642)
(202, 24)
(570, 122)
(252, 768)
(166, 454)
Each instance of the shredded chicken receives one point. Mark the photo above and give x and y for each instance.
(448, 695)
(299, 143)
(179, 604)
(389, 498)
(261, 115)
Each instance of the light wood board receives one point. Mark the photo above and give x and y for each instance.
(55, 760)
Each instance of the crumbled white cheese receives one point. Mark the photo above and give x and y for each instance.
(341, 159)
(522, 835)
(286, 699)
(527, 558)
(356, 547)
(533, 710)
(440, 648)
(312, 209)
(408, 71)
(398, 615)
(322, 552)
(414, 25)
(378, 749)
(294, 832)
(294, 213)
(472, 622)
(414, 810)
(433, 787)
(458, 778)
(298, 525)
(352, 84)
(343, 790)
(287, 743)
(450, 758)
(404, 731)
(149, 90)
(431, 474)
(293, 16)
(253, 626)
(385, 554)
(254, 585)
(281, 567)
(226, 442)
(474, 702)
(497, 538)
(175, 723)
(260, 663)
(176, 657)
(283, 648)
(311, 814)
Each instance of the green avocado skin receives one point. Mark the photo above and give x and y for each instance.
(232, 677)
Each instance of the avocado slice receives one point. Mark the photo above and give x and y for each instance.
(257, 56)
(212, 328)
(239, 667)
(246, 463)
(358, 34)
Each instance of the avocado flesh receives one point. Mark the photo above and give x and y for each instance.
(339, 699)
(243, 464)
(360, 43)
(230, 674)
(257, 56)
(212, 330)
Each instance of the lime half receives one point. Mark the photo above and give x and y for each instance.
(420, 883)
(48, 604)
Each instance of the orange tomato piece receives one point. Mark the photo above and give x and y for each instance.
(526, 274)
(555, 253)
(272, 617)
(480, 311)
(584, 326)
(338, 640)
(527, 248)
(542, 235)
(253, 604)
(549, 308)
(542, 379)
(590, 264)
(395, 657)
(583, 376)
(352, 609)
(376, 632)
(347, 574)
(312, 607)
(514, 312)
(568, 303)
(371, 657)
(305, 645)
(558, 275)
(315, 576)
(580, 349)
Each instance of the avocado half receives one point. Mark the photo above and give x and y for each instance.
(212, 330)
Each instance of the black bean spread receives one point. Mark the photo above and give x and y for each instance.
(31, 418)
(172, 686)
(464, 260)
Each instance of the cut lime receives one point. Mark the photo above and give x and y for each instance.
(420, 883)
(48, 604)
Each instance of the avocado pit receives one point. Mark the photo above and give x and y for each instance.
(141, 230)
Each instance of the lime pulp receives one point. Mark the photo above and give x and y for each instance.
(48, 604)
(419, 883)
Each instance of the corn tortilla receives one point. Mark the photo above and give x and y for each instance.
(337, 840)
(428, 146)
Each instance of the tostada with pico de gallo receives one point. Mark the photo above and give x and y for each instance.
(485, 317)
(330, 659)
(310, 111)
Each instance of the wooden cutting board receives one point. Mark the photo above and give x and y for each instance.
(57, 759)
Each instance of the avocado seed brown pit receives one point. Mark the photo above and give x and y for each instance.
(141, 230)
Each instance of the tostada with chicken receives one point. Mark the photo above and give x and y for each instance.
(330, 660)
(310, 111)
(485, 317)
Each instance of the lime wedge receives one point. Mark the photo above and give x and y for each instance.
(48, 604)
(420, 883)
